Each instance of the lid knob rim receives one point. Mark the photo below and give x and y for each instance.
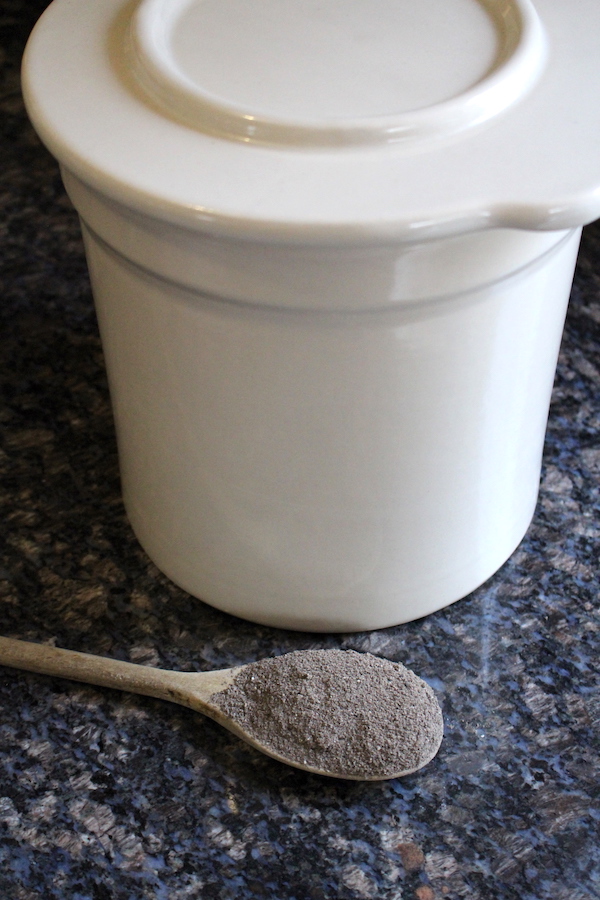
(519, 63)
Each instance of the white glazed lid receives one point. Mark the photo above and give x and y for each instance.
(327, 119)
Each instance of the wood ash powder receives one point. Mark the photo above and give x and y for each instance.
(351, 714)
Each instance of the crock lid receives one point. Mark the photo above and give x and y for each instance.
(327, 119)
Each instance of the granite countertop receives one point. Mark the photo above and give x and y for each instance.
(105, 796)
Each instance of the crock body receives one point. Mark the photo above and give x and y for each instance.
(326, 438)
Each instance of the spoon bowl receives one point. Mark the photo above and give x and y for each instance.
(227, 695)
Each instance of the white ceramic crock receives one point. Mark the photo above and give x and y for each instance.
(331, 246)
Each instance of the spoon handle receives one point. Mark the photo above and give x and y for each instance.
(186, 688)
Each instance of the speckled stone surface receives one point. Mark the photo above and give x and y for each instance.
(106, 796)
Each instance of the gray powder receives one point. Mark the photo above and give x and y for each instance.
(352, 714)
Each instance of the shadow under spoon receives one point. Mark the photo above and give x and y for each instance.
(332, 712)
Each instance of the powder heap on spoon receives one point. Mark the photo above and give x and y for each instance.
(337, 712)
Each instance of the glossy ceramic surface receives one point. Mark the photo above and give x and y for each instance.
(328, 470)
(337, 73)
(307, 124)
(331, 280)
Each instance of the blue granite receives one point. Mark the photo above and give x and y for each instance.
(106, 796)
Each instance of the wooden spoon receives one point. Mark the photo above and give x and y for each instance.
(200, 691)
